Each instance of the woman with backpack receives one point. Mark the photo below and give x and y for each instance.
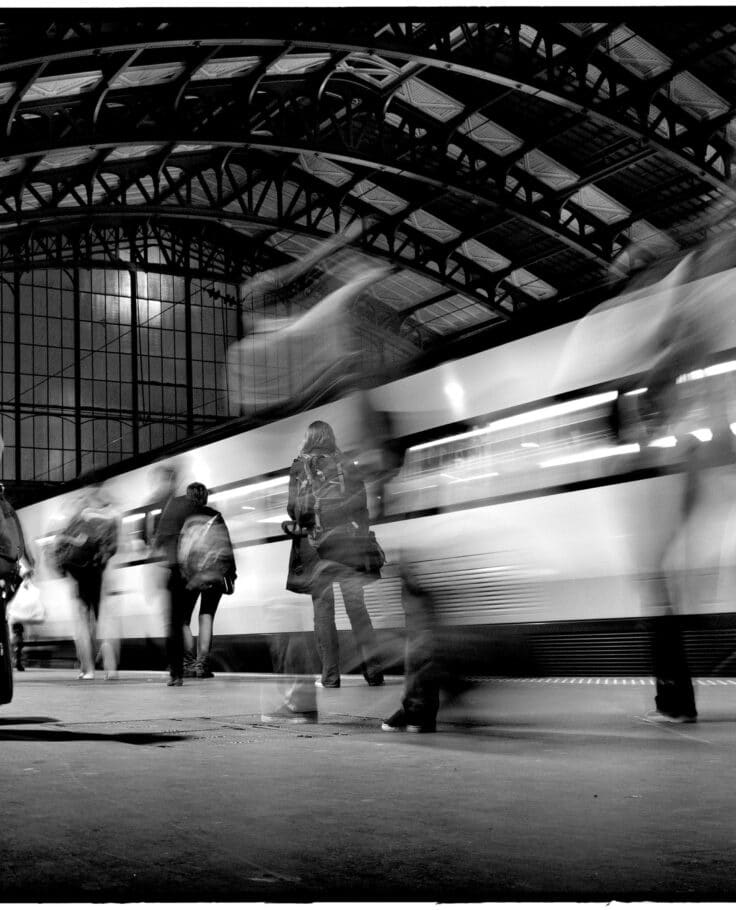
(331, 543)
(198, 552)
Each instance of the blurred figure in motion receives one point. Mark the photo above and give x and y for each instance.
(198, 553)
(681, 402)
(284, 364)
(332, 544)
(164, 483)
(83, 550)
(16, 569)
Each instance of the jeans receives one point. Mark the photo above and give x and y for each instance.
(323, 599)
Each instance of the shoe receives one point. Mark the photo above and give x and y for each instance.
(86, 676)
(175, 681)
(321, 685)
(202, 671)
(430, 727)
(20, 668)
(396, 723)
(376, 682)
(671, 718)
(286, 714)
(110, 675)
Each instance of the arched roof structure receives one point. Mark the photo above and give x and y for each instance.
(505, 157)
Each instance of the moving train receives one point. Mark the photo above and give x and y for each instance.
(540, 531)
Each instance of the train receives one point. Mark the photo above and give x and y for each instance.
(539, 532)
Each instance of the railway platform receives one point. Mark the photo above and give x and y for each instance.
(555, 788)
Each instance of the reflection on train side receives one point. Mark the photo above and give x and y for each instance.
(557, 445)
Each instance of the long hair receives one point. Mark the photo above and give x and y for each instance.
(319, 435)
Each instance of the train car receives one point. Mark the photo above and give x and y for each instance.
(539, 532)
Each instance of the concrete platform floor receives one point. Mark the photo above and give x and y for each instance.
(530, 790)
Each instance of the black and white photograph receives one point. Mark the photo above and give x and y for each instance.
(367, 454)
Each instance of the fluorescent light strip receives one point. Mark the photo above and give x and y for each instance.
(517, 420)
(129, 519)
(251, 488)
(590, 455)
(664, 442)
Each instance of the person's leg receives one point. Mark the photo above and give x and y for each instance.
(89, 586)
(323, 601)
(207, 609)
(351, 586)
(179, 603)
(18, 632)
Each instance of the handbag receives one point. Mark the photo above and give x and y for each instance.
(26, 606)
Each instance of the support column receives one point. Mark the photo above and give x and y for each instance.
(77, 376)
(188, 341)
(134, 360)
(16, 377)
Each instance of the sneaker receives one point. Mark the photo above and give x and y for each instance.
(379, 681)
(671, 718)
(175, 681)
(321, 685)
(396, 723)
(202, 671)
(286, 714)
(86, 676)
(422, 728)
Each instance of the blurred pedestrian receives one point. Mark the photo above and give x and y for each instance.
(83, 550)
(21, 600)
(332, 545)
(198, 553)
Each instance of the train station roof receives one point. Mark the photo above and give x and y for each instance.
(504, 158)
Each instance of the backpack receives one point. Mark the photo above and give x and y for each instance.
(321, 496)
(89, 535)
(205, 554)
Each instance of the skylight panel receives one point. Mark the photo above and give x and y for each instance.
(693, 95)
(432, 226)
(600, 204)
(65, 158)
(128, 152)
(547, 170)
(156, 74)
(378, 197)
(531, 285)
(62, 86)
(484, 256)
(636, 54)
(6, 91)
(325, 169)
(294, 64)
(229, 68)
(429, 99)
(490, 135)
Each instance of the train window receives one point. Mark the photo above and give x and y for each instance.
(253, 511)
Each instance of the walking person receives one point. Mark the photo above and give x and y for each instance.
(198, 552)
(16, 569)
(83, 551)
(327, 505)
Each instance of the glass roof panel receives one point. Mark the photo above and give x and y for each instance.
(228, 68)
(297, 63)
(600, 204)
(378, 197)
(432, 226)
(156, 74)
(188, 148)
(370, 67)
(484, 256)
(547, 170)
(11, 166)
(65, 158)
(689, 92)
(127, 152)
(62, 86)
(636, 54)
(530, 284)
(6, 91)
(429, 99)
(490, 135)
(325, 169)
